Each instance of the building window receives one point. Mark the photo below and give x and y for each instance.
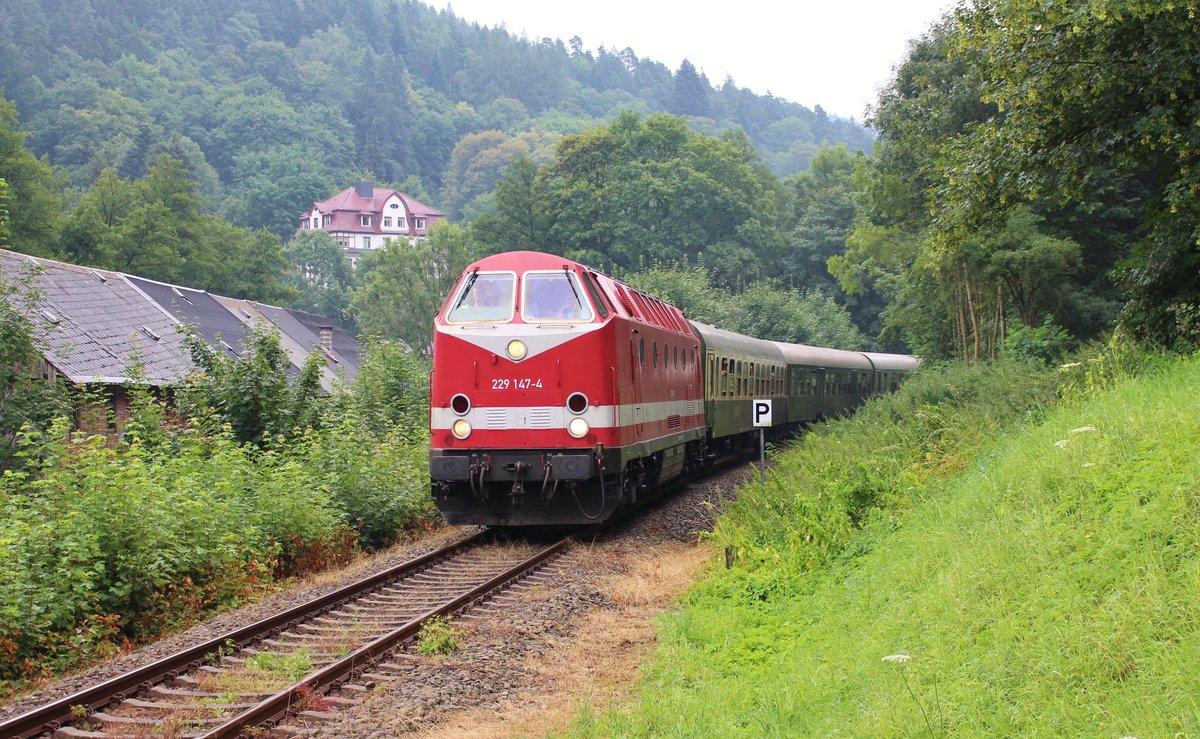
(402, 224)
(326, 220)
(394, 205)
(365, 220)
(420, 222)
(366, 242)
(387, 221)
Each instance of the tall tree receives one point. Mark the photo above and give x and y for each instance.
(321, 275)
(518, 219)
(407, 284)
(690, 96)
(34, 205)
(1087, 88)
(639, 191)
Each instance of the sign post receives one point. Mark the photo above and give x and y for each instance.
(760, 412)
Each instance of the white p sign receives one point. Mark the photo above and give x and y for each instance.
(761, 412)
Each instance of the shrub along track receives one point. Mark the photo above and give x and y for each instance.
(259, 674)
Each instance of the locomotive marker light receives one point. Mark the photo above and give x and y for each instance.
(516, 350)
(760, 412)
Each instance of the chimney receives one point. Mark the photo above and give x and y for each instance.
(365, 189)
(326, 338)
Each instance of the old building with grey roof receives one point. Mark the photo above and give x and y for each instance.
(111, 329)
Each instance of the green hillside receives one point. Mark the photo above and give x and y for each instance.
(275, 105)
(1049, 583)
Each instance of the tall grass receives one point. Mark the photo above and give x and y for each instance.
(1049, 584)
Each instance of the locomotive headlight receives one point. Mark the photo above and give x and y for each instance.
(461, 428)
(517, 349)
(578, 428)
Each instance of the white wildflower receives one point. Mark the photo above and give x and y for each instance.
(1083, 430)
(897, 659)
(1061, 443)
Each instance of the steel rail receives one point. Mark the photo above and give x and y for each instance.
(275, 708)
(53, 716)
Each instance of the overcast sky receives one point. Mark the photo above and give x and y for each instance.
(832, 53)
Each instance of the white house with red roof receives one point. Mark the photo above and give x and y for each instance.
(362, 217)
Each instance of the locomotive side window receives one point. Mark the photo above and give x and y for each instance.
(553, 296)
(486, 296)
(588, 282)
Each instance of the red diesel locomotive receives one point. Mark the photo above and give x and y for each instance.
(560, 396)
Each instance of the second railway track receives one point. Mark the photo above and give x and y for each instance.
(282, 666)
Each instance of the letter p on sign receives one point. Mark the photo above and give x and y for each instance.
(761, 412)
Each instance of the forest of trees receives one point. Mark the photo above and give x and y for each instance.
(271, 106)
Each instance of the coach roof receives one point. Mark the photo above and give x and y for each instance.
(817, 356)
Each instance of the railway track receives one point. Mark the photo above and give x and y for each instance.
(284, 668)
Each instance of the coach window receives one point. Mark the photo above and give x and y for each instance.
(553, 296)
(485, 296)
(723, 386)
(655, 353)
(642, 351)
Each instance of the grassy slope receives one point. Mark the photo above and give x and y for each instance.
(1051, 587)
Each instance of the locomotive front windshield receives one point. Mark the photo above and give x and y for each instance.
(487, 296)
(553, 296)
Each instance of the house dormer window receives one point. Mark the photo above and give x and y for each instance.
(419, 223)
(326, 220)
(365, 220)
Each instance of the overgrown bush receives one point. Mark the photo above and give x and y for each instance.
(1045, 343)
(108, 539)
(25, 399)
